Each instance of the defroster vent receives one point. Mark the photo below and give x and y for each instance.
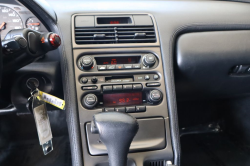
(113, 35)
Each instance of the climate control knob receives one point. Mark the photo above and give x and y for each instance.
(149, 60)
(155, 96)
(89, 101)
(94, 80)
(85, 62)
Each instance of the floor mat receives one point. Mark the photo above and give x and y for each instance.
(29, 153)
(213, 150)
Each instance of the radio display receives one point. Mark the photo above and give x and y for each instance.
(117, 60)
(122, 99)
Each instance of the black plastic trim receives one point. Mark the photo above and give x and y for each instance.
(173, 114)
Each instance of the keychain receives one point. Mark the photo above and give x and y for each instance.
(37, 106)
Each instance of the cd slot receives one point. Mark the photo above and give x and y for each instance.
(119, 79)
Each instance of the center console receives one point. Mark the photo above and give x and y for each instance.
(118, 68)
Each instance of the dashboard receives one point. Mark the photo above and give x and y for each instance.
(14, 16)
(121, 56)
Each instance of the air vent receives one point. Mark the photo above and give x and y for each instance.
(114, 35)
(155, 163)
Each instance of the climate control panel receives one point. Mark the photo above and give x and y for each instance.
(141, 61)
(126, 97)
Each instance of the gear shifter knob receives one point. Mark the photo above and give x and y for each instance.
(116, 131)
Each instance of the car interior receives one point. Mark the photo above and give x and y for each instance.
(124, 83)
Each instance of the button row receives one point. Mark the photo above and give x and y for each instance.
(118, 67)
(131, 109)
(147, 77)
(109, 88)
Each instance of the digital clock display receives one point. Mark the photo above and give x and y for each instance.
(122, 99)
(114, 20)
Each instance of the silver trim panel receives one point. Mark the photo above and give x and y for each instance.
(74, 45)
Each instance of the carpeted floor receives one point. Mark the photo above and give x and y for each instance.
(29, 153)
(214, 149)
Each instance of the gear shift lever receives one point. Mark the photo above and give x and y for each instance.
(116, 131)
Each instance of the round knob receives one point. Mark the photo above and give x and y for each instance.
(84, 80)
(90, 100)
(149, 60)
(155, 96)
(94, 80)
(85, 62)
(55, 40)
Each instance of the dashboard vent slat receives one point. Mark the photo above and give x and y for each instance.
(115, 35)
(155, 163)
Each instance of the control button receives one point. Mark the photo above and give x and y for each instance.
(101, 67)
(117, 87)
(139, 78)
(89, 87)
(107, 88)
(84, 80)
(110, 67)
(55, 40)
(94, 79)
(127, 87)
(136, 66)
(156, 77)
(149, 60)
(130, 109)
(147, 77)
(22, 42)
(137, 87)
(86, 62)
(140, 108)
(119, 67)
(109, 109)
(128, 66)
(120, 109)
(153, 84)
(155, 96)
(90, 100)
(101, 79)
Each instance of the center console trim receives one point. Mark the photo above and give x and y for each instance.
(85, 115)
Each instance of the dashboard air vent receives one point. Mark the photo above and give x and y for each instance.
(155, 163)
(113, 35)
